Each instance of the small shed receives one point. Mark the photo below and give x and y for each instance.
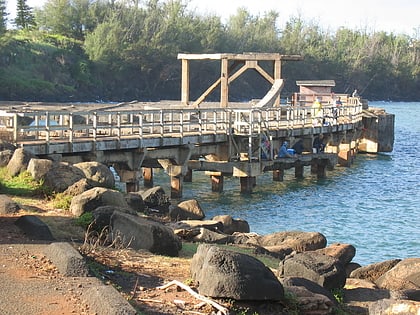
(309, 90)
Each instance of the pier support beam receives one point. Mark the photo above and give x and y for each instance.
(298, 170)
(148, 177)
(176, 187)
(188, 176)
(217, 181)
(247, 184)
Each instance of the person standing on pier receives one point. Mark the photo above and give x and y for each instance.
(317, 112)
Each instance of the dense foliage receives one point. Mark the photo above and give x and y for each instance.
(85, 50)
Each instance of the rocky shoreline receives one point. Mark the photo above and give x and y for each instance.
(322, 279)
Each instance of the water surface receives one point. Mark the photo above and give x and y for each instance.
(373, 205)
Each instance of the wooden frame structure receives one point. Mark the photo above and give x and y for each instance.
(229, 72)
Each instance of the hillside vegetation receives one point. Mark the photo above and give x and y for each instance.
(103, 50)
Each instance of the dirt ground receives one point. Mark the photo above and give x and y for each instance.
(137, 275)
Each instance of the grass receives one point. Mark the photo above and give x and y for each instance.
(21, 185)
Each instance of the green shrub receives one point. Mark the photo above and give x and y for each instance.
(85, 219)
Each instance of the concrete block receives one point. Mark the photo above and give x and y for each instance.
(67, 259)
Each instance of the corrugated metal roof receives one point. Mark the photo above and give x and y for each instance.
(316, 83)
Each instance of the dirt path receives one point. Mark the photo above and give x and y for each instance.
(30, 283)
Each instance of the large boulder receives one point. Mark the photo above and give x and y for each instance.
(156, 198)
(5, 157)
(343, 252)
(322, 269)
(186, 210)
(97, 173)
(404, 276)
(39, 168)
(141, 233)
(96, 197)
(62, 175)
(19, 161)
(394, 307)
(78, 187)
(4, 145)
(221, 273)
(7, 205)
(294, 240)
(231, 225)
(102, 215)
(135, 201)
(374, 271)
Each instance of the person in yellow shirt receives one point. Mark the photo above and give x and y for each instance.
(317, 112)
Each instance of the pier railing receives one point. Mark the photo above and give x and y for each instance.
(64, 126)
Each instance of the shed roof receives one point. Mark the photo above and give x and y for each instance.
(316, 83)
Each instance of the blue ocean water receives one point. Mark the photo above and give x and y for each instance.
(373, 205)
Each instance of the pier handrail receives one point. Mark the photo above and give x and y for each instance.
(64, 126)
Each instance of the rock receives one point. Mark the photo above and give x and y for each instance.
(343, 252)
(140, 233)
(6, 146)
(19, 162)
(322, 269)
(135, 201)
(39, 168)
(62, 175)
(374, 271)
(8, 205)
(196, 224)
(404, 276)
(207, 236)
(221, 273)
(231, 225)
(34, 228)
(394, 307)
(98, 174)
(311, 303)
(297, 241)
(309, 285)
(359, 294)
(96, 197)
(5, 157)
(67, 259)
(78, 187)
(350, 267)
(156, 198)
(102, 215)
(186, 210)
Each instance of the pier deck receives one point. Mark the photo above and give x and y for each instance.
(222, 141)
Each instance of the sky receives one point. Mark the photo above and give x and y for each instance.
(400, 16)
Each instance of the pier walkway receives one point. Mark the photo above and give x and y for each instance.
(240, 140)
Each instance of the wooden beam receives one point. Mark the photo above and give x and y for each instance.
(224, 86)
(185, 82)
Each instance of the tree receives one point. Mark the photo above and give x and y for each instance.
(72, 18)
(25, 18)
(3, 17)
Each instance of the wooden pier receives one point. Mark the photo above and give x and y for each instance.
(221, 139)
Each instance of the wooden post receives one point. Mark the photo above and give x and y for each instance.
(277, 76)
(176, 187)
(344, 158)
(148, 177)
(217, 183)
(247, 184)
(299, 170)
(188, 176)
(278, 175)
(185, 82)
(321, 171)
(224, 83)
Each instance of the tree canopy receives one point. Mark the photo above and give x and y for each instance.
(123, 50)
